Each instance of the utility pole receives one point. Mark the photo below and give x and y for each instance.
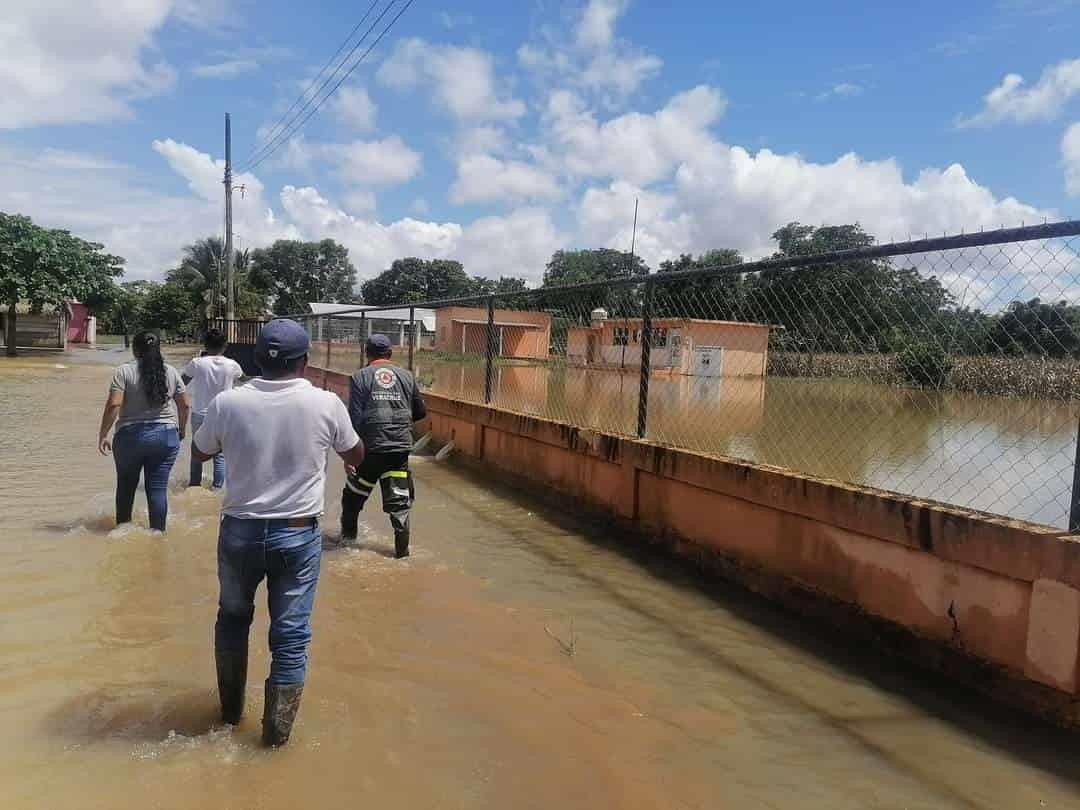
(230, 304)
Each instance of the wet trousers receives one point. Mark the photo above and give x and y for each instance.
(148, 449)
(390, 472)
(288, 557)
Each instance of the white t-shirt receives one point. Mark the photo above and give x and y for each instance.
(210, 376)
(275, 435)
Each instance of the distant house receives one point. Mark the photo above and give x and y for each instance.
(47, 329)
(525, 335)
(359, 322)
(679, 346)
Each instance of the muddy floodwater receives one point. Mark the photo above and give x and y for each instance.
(1011, 457)
(519, 660)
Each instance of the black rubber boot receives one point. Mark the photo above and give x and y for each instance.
(401, 543)
(282, 703)
(231, 681)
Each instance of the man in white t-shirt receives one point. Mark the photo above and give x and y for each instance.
(206, 377)
(275, 433)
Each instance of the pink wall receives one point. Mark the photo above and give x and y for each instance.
(79, 323)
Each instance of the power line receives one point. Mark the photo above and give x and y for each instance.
(281, 121)
(352, 68)
(283, 133)
(283, 137)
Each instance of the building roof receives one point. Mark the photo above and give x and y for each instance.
(472, 322)
(358, 311)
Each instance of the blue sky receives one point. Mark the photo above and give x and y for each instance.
(497, 132)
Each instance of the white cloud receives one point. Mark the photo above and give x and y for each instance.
(483, 178)
(519, 243)
(592, 59)
(203, 174)
(451, 21)
(377, 163)
(63, 63)
(353, 105)
(725, 196)
(596, 28)
(462, 80)
(385, 162)
(637, 147)
(841, 90)
(1070, 152)
(73, 161)
(360, 202)
(228, 69)
(1015, 101)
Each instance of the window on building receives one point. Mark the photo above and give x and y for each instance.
(637, 336)
(659, 336)
(622, 336)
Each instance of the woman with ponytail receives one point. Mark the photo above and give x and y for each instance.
(149, 397)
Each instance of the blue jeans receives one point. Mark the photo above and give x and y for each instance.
(289, 558)
(149, 448)
(196, 466)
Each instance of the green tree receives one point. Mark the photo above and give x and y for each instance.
(125, 312)
(854, 305)
(713, 298)
(1040, 328)
(413, 280)
(46, 267)
(201, 273)
(167, 308)
(568, 267)
(294, 274)
(504, 285)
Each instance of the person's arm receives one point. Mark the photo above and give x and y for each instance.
(183, 411)
(206, 443)
(189, 372)
(108, 418)
(346, 441)
(419, 407)
(355, 457)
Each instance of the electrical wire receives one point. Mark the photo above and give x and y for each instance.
(285, 135)
(280, 124)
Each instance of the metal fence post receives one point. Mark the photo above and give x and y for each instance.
(329, 340)
(489, 369)
(412, 335)
(646, 360)
(1074, 506)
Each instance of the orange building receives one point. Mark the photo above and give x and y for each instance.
(679, 346)
(518, 334)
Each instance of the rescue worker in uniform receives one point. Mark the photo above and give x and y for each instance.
(384, 401)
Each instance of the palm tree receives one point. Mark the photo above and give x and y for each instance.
(202, 273)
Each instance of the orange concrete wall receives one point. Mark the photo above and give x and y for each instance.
(991, 601)
(525, 343)
(746, 348)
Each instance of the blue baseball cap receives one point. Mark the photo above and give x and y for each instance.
(282, 339)
(378, 344)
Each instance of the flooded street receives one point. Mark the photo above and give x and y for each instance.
(519, 659)
(1011, 457)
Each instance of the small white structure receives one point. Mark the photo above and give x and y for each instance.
(356, 323)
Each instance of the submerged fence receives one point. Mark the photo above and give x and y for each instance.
(947, 369)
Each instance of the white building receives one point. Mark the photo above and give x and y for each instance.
(354, 323)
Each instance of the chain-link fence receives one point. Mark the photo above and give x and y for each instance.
(947, 369)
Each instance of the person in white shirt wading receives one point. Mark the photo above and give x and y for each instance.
(275, 433)
(206, 377)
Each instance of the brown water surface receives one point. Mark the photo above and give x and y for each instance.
(518, 660)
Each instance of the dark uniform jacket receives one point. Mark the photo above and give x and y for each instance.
(384, 401)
